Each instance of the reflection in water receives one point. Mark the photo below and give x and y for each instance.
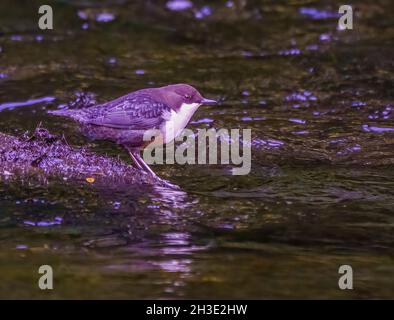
(175, 243)
(176, 257)
(176, 265)
(174, 249)
(171, 197)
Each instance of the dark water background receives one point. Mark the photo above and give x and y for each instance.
(321, 191)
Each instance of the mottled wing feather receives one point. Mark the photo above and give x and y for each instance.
(134, 112)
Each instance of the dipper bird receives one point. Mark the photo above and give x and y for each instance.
(126, 119)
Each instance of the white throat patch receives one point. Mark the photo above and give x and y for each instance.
(177, 121)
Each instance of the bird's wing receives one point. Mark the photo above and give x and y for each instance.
(134, 111)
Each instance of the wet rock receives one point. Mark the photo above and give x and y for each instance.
(48, 155)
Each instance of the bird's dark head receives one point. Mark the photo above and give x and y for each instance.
(178, 94)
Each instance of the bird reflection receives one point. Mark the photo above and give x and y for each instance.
(179, 249)
(148, 247)
(173, 197)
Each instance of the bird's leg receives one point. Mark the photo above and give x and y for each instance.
(148, 169)
(132, 154)
(143, 164)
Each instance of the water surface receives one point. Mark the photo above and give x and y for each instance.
(320, 105)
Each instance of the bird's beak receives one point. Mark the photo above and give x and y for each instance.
(208, 102)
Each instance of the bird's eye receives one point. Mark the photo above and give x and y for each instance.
(187, 96)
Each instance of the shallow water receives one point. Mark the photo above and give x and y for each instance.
(320, 105)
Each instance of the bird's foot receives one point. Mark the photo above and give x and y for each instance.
(163, 182)
(140, 164)
(168, 184)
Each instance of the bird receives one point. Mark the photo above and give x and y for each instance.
(125, 120)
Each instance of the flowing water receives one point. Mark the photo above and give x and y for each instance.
(320, 194)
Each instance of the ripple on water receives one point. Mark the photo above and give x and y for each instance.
(105, 17)
(204, 120)
(317, 14)
(290, 52)
(21, 247)
(204, 12)
(253, 118)
(101, 17)
(46, 223)
(268, 143)
(303, 132)
(301, 98)
(13, 105)
(179, 5)
(386, 113)
(295, 120)
(377, 129)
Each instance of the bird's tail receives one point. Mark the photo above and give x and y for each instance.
(70, 113)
